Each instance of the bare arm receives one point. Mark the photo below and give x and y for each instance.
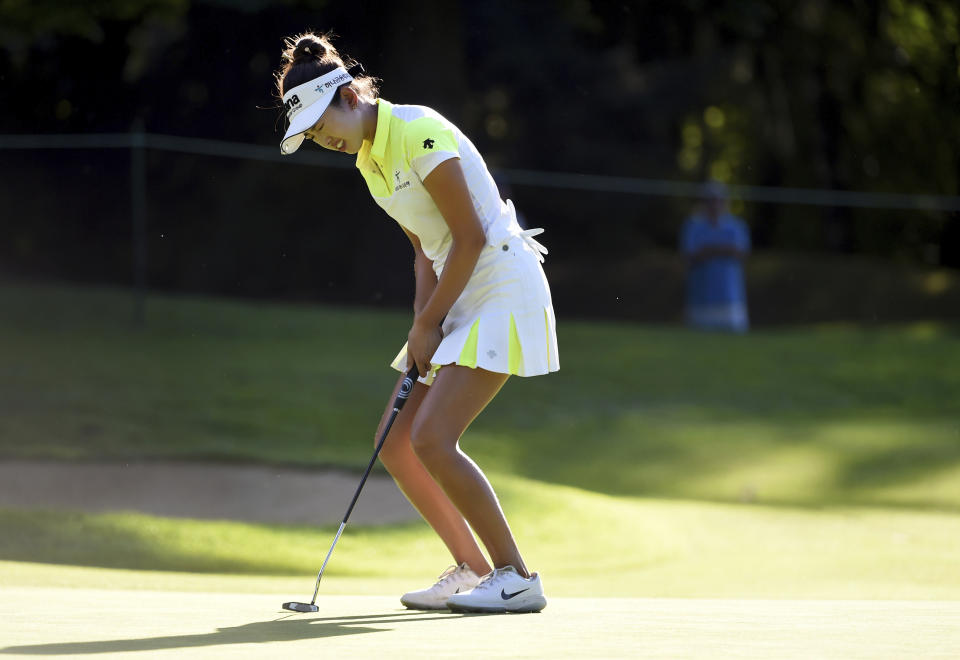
(448, 188)
(423, 271)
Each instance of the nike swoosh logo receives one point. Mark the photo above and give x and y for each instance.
(504, 595)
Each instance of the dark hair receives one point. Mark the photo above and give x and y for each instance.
(308, 56)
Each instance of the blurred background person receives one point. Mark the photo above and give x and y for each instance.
(714, 243)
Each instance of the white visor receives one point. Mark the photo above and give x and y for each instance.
(305, 103)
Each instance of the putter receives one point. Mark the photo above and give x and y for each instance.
(405, 388)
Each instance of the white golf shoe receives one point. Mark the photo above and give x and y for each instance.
(452, 581)
(503, 590)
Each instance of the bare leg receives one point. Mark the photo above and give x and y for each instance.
(457, 396)
(420, 488)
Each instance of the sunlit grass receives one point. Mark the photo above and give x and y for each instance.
(817, 415)
(581, 542)
(804, 462)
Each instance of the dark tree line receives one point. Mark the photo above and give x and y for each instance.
(852, 95)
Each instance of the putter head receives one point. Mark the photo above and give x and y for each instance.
(300, 607)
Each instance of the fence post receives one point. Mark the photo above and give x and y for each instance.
(138, 204)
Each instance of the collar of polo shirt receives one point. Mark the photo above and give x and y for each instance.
(305, 103)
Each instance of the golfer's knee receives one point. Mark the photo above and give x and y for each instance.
(429, 444)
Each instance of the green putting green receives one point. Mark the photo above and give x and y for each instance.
(104, 623)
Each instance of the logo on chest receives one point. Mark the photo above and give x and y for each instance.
(400, 185)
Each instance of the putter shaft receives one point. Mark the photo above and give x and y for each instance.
(405, 388)
(320, 574)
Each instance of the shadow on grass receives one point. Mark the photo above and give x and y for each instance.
(835, 460)
(898, 465)
(108, 540)
(287, 629)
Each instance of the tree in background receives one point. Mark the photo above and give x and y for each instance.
(803, 93)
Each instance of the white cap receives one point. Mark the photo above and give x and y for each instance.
(305, 103)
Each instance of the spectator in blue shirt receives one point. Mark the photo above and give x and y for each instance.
(715, 243)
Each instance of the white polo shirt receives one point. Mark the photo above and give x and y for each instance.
(410, 141)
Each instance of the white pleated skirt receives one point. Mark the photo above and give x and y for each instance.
(503, 321)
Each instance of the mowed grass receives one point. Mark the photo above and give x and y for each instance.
(581, 542)
(90, 621)
(818, 462)
(818, 415)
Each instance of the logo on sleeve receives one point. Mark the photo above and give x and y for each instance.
(428, 144)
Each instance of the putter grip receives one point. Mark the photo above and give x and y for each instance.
(406, 387)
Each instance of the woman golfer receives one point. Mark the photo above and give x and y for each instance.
(482, 309)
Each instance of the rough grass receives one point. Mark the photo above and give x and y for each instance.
(819, 462)
(818, 415)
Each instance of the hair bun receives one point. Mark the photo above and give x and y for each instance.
(308, 48)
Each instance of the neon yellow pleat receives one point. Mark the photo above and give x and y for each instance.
(514, 350)
(468, 355)
(546, 324)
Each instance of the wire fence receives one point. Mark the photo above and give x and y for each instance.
(538, 178)
(195, 190)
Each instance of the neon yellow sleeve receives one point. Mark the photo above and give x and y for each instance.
(428, 142)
